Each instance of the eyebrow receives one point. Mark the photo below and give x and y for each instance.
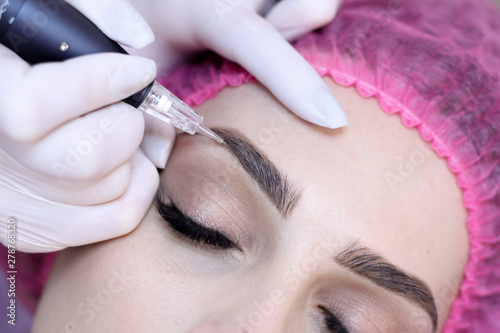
(269, 179)
(364, 262)
(360, 260)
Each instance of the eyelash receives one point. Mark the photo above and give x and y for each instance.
(188, 228)
(333, 324)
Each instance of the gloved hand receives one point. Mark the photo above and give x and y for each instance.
(69, 176)
(237, 30)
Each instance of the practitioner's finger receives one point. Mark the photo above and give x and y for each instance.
(79, 225)
(35, 100)
(158, 141)
(118, 20)
(294, 18)
(256, 45)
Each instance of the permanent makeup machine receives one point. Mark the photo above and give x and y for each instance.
(51, 30)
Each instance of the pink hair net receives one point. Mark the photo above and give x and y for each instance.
(437, 65)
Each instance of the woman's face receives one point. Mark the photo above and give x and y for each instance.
(287, 228)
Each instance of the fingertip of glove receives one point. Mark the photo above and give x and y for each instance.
(326, 111)
(121, 22)
(140, 39)
(157, 149)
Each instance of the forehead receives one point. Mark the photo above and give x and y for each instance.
(374, 162)
(375, 180)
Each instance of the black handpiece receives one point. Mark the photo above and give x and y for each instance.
(51, 30)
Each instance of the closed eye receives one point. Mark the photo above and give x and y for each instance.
(190, 229)
(333, 324)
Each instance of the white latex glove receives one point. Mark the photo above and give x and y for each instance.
(237, 30)
(67, 176)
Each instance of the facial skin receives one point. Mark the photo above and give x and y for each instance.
(372, 185)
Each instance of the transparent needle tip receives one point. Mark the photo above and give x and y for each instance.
(204, 130)
(165, 106)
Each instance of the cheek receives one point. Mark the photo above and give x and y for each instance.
(126, 284)
(160, 294)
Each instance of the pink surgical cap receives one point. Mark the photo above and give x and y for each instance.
(437, 65)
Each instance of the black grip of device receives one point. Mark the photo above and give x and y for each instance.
(51, 30)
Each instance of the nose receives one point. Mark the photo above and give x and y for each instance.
(229, 327)
(272, 307)
(206, 328)
(220, 328)
(264, 317)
